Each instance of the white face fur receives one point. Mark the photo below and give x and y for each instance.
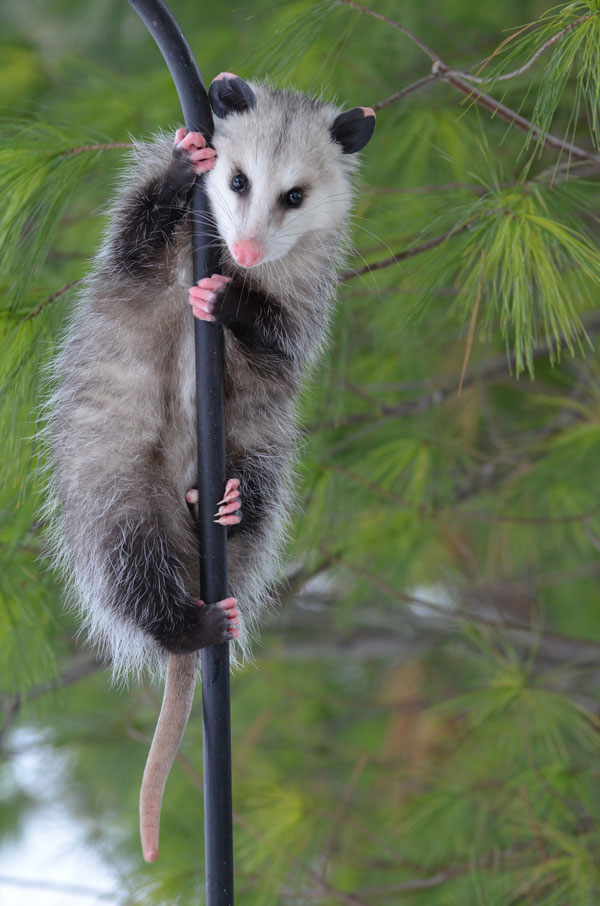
(279, 176)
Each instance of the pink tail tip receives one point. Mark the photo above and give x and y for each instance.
(151, 855)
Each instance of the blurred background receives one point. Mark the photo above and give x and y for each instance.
(419, 724)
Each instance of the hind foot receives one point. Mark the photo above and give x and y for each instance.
(210, 624)
(229, 510)
(227, 617)
(230, 507)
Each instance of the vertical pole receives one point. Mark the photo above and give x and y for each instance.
(218, 830)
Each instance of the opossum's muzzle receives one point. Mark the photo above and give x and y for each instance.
(247, 252)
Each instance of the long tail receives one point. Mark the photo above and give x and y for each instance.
(172, 720)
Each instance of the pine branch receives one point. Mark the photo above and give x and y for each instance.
(83, 149)
(506, 855)
(405, 31)
(517, 72)
(558, 646)
(59, 292)
(498, 367)
(457, 79)
(511, 116)
(337, 820)
(398, 95)
(81, 668)
(435, 510)
(410, 252)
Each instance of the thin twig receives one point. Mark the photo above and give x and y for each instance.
(414, 86)
(498, 367)
(405, 31)
(459, 81)
(531, 60)
(336, 821)
(410, 252)
(52, 298)
(583, 647)
(511, 116)
(57, 887)
(436, 510)
(107, 146)
(471, 333)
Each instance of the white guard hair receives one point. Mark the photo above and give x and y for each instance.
(107, 409)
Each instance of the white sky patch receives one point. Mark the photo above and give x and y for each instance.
(436, 602)
(50, 864)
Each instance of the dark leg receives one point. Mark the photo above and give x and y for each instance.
(151, 215)
(147, 589)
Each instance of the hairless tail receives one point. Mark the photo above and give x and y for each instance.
(176, 706)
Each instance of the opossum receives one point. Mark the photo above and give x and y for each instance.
(122, 424)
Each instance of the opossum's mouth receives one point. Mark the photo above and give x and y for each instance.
(247, 252)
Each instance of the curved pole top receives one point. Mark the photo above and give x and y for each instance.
(181, 63)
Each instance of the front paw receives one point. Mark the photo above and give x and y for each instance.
(203, 296)
(192, 147)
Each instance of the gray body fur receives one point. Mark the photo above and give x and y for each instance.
(123, 416)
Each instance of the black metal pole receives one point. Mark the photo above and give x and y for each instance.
(218, 830)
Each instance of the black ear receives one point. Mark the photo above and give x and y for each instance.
(352, 129)
(230, 94)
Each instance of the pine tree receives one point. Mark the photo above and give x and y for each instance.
(421, 722)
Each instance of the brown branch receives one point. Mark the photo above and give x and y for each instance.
(431, 189)
(508, 856)
(404, 91)
(337, 819)
(457, 79)
(405, 31)
(560, 646)
(531, 61)
(531, 520)
(436, 510)
(496, 368)
(79, 669)
(410, 252)
(107, 146)
(52, 298)
(511, 116)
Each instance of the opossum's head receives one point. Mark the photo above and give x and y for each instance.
(283, 167)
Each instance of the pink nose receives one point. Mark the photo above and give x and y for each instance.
(247, 252)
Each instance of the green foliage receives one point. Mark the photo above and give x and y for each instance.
(421, 723)
(573, 58)
(530, 270)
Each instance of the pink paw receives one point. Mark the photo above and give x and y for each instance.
(202, 296)
(229, 508)
(229, 606)
(194, 144)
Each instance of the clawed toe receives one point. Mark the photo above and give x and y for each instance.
(229, 510)
(229, 606)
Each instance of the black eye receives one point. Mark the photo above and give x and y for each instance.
(293, 198)
(239, 183)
